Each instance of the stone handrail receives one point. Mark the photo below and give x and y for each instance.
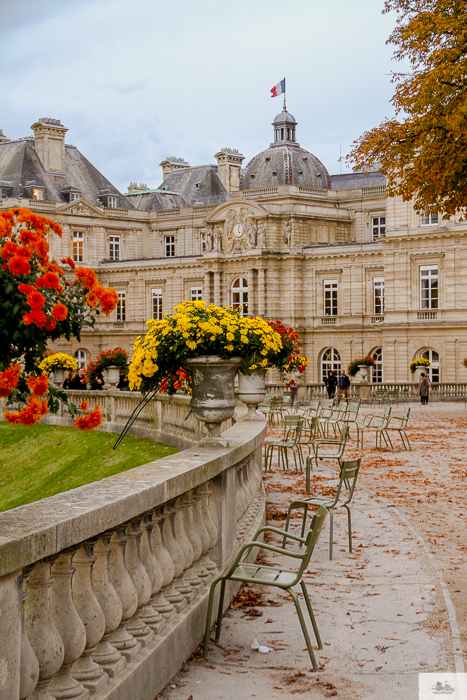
(440, 391)
(164, 418)
(103, 589)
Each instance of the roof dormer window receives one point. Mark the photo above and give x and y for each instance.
(38, 193)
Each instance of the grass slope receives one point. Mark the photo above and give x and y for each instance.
(42, 460)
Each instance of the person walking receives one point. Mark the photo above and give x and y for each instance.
(344, 386)
(424, 388)
(331, 383)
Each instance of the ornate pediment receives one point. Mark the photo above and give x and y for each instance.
(235, 227)
(81, 207)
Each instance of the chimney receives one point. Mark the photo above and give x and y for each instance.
(170, 164)
(3, 138)
(134, 187)
(229, 168)
(49, 142)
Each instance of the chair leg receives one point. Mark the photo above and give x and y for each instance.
(331, 532)
(403, 433)
(220, 610)
(308, 468)
(302, 534)
(311, 614)
(349, 520)
(386, 435)
(207, 632)
(294, 596)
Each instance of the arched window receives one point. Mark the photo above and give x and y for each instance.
(433, 371)
(377, 368)
(80, 357)
(240, 295)
(330, 360)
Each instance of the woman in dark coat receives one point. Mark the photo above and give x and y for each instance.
(424, 388)
(331, 383)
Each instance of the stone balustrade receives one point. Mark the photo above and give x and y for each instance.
(408, 391)
(103, 589)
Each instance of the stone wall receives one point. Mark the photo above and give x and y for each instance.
(104, 588)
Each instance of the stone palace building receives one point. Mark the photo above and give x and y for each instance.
(353, 271)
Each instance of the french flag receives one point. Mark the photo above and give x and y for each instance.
(278, 89)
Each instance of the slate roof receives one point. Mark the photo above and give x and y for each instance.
(155, 199)
(199, 184)
(19, 164)
(351, 181)
(285, 164)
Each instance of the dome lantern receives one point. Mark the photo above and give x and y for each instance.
(284, 128)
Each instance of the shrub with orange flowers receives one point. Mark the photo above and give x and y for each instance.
(289, 360)
(41, 301)
(107, 358)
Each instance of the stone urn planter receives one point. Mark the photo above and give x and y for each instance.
(418, 373)
(113, 376)
(363, 369)
(59, 377)
(251, 391)
(213, 399)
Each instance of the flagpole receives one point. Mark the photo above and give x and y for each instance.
(285, 108)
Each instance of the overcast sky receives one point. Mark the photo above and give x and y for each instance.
(135, 81)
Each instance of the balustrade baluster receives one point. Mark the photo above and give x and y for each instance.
(154, 572)
(204, 492)
(193, 531)
(41, 631)
(29, 666)
(241, 496)
(85, 669)
(70, 628)
(161, 602)
(121, 639)
(183, 540)
(106, 655)
(178, 559)
(136, 626)
(207, 563)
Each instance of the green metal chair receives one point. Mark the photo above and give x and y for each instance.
(399, 425)
(312, 408)
(373, 421)
(309, 433)
(353, 408)
(337, 417)
(322, 449)
(278, 577)
(289, 441)
(344, 494)
(273, 410)
(325, 412)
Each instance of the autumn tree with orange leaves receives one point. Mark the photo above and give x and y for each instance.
(40, 303)
(423, 151)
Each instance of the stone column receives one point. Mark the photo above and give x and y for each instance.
(207, 288)
(217, 288)
(251, 296)
(261, 292)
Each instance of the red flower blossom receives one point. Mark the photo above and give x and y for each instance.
(10, 248)
(29, 415)
(9, 379)
(60, 312)
(84, 405)
(19, 265)
(50, 323)
(28, 319)
(39, 317)
(36, 300)
(69, 261)
(108, 299)
(26, 288)
(92, 299)
(38, 385)
(87, 277)
(91, 420)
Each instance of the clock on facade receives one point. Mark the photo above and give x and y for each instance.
(238, 230)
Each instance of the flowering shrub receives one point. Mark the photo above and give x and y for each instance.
(56, 361)
(289, 360)
(107, 358)
(89, 420)
(198, 329)
(353, 366)
(419, 362)
(39, 305)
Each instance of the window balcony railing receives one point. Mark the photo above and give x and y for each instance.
(379, 318)
(427, 315)
(328, 320)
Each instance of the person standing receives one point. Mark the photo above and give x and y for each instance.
(79, 381)
(344, 385)
(331, 383)
(424, 388)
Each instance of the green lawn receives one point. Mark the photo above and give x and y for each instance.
(42, 460)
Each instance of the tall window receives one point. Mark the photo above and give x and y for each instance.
(78, 246)
(196, 294)
(157, 304)
(377, 368)
(203, 242)
(433, 370)
(114, 247)
(240, 295)
(378, 295)
(80, 357)
(330, 360)
(112, 202)
(378, 227)
(170, 246)
(330, 298)
(428, 219)
(429, 287)
(121, 307)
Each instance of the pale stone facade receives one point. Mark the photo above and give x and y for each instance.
(320, 258)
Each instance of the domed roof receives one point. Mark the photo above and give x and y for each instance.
(284, 116)
(285, 164)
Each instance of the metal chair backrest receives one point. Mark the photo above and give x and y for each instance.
(312, 538)
(344, 436)
(404, 418)
(312, 427)
(353, 408)
(276, 402)
(348, 478)
(313, 407)
(387, 412)
(292, 429)
(327, 402)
